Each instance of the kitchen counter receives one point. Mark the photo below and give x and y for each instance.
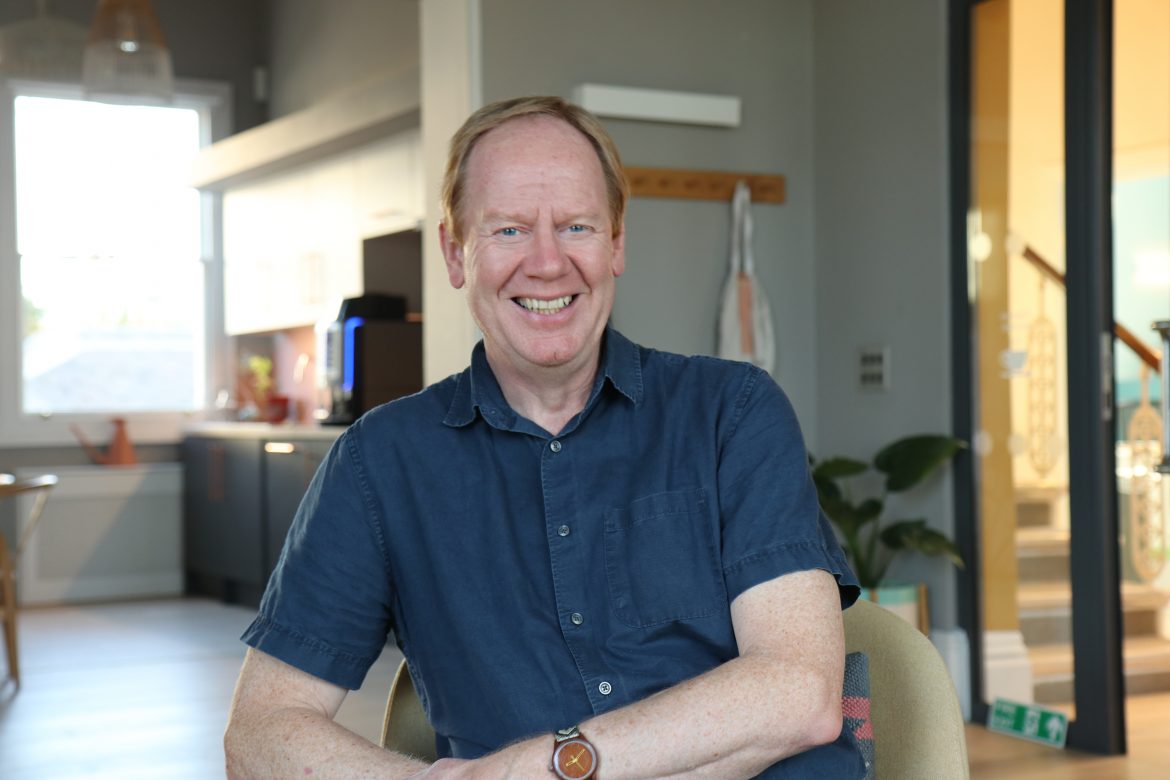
(224, 429)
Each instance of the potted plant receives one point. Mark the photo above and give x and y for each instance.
(870, 542)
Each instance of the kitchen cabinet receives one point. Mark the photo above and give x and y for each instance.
(243, 485)
(292, 242)
(289, 466)
(222, 521)
(388, 186)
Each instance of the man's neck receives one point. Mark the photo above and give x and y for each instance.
(550, 397)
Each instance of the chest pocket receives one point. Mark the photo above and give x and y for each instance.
(662, 559)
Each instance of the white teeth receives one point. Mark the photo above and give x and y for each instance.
(545, 307)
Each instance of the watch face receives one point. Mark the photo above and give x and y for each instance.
(574, 759)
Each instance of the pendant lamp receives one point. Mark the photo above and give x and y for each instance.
(45, 47)
(126, 59)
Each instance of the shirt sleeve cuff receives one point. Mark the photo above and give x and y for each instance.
(307, 653)
(787, 558)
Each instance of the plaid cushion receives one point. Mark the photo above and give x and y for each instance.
(855, 707)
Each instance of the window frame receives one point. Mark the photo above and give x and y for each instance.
(213, 101)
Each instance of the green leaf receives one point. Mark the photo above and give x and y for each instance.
(849, 518)
(826, 488)
(914, 535)
(837, 468)
(842, 514)
(908, 461)
(869, 510)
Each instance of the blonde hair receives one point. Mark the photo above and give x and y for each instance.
(495, 114)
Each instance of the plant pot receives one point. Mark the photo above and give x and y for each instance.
(907, 600)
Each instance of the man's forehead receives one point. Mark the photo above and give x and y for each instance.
(518, 148)
(530, 137)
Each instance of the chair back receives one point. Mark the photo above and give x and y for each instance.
(405, 728)
(917, 723)
(11, 486)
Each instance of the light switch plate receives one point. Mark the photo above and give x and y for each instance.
(873, 368)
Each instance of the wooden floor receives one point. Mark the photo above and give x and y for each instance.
(141, 690)
(138, 690)
(996, 757)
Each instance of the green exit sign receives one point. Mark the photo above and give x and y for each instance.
(1028, 721)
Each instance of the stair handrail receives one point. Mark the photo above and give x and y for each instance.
(1151, 357)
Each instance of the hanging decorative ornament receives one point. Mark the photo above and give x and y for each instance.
(126, 59)
(745, 321)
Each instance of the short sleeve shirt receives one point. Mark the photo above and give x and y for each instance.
(534, 580)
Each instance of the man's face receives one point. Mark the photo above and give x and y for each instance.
(538, 255)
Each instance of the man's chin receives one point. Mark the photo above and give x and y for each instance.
(551, 356)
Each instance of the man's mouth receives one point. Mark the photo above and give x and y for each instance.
(538, 306)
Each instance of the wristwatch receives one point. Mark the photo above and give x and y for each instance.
(574, 757)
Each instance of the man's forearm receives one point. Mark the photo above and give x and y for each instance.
(780, 697)
(303, 743)
(734, 721)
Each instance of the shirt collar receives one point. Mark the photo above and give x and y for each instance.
(477, 388)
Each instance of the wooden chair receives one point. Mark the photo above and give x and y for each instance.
(918, 727)
(11, 486)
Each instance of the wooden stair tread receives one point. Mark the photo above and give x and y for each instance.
(1036, 596)
(1039, 492)
(1143, 655)
(1040, 540)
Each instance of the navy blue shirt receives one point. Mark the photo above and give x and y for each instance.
(534, 580)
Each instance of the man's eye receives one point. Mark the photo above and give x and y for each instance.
(508, 232)
(579, 228)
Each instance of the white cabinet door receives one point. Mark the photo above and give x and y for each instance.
(336, 260)
(267, 255)
(293, 241)
(389, 185)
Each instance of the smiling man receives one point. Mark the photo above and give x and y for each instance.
(600, 560)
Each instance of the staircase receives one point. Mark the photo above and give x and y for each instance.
(1045, 608)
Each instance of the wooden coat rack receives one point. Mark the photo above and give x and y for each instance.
(702, 185)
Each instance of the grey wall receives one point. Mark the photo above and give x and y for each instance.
(319, 48)
(222, 40)
(760, 50)
(881, 237)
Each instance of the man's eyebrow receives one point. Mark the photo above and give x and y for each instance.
(500, 215)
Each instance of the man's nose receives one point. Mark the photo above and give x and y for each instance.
(547, 258)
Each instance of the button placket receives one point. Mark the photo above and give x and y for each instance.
(573, 598)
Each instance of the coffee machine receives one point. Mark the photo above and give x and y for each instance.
(368, 355)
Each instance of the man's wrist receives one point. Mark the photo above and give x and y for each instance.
(528, 758)
(574, 757)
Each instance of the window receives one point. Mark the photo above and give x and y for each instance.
(108, 265)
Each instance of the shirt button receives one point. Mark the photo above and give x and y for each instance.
(577, 618)
(555, 446)
(563, 530)
(605, 689)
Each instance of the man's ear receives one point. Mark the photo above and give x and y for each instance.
(618, 264)
(453, 256)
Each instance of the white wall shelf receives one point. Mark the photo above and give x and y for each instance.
(375, 109)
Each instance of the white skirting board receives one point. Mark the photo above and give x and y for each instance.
(107, 532)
